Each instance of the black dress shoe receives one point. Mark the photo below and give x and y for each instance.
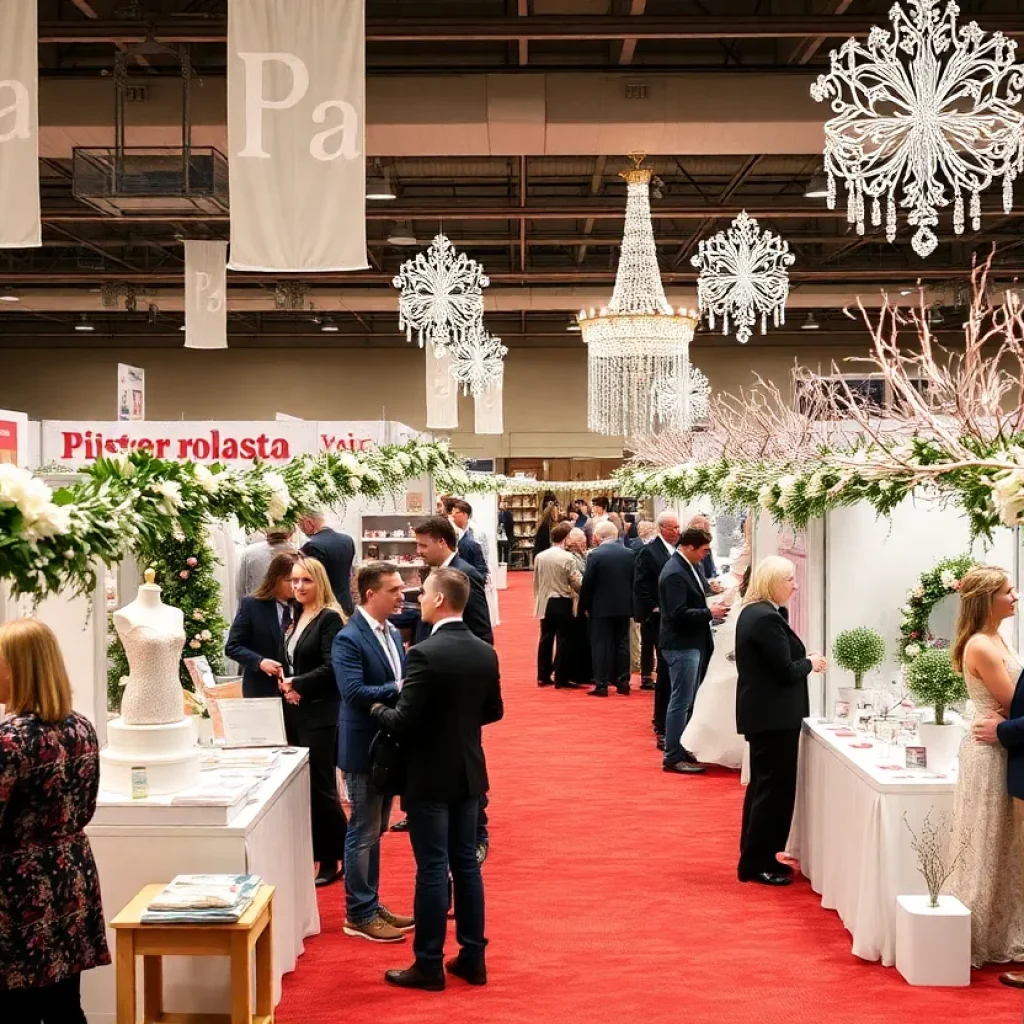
(689, 757)
(1012, 978)
(475, 975)
(646, 684)
(623, 688)
(545, 682)
(767, 878)
(566, 686)
(400, 826)
(327, 874)
(684, 768)
(659, 741)
(783, 869)
(413, 977)
(598, 691)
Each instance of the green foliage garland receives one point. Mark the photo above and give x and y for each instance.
(859, 651)
(937, 583)
(933, 681)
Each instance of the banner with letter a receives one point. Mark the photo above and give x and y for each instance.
(206, 308)
(19, 125)
(297, 163)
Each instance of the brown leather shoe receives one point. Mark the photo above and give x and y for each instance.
(377, 930)
(1015, 979)
(402, 924)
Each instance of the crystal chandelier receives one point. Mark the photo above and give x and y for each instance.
(442, 297)
(927, 110)
(743, 275)
(477, 361)
(638, 339)
(680, 403)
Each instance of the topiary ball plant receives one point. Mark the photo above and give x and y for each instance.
(859, 651)
(933, 680)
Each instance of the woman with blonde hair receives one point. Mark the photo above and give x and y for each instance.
(989, 877)
(313, 704)
(51, 917)
(772, 666)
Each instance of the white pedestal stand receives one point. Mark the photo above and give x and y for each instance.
(933, 944)
(501, 577)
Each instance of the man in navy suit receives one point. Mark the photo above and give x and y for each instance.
(335, 552)
(470, 547)
(369, 663)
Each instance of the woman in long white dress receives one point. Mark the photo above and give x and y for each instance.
(711, 735)
(989, 877)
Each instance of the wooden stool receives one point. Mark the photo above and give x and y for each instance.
(254, 930)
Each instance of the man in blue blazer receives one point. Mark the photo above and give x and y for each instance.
(254, 641)
(369, 664)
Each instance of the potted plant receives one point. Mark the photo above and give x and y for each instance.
(858, 651)
(933, 681)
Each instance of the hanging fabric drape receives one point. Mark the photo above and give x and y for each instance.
(19, 125)
(442, 391)
(488, 409)
(206, 308)
(296, 153)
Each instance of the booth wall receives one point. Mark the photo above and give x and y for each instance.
(545, 389)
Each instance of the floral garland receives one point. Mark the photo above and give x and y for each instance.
(53, 539)
(937, 583)
(497, 483)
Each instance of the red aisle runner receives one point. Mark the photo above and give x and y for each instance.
(611, 895)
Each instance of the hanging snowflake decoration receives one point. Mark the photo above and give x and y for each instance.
(743, 276)
(478, 361)
(441, 295)
(926, 111)
(682, 403)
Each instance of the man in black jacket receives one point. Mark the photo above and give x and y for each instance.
(686, 642)
(335, 552)
(606, 596)
(649, 562)
(452, 688)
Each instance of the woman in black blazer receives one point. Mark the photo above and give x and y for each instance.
(254, 640)
(772, 667)
(312, 706)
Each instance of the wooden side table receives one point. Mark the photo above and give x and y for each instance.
(253, 931)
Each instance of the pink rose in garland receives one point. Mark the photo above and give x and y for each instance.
(192, 562)
(184, 574)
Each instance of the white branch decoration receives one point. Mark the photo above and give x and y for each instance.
(926, 112)
(743, 276)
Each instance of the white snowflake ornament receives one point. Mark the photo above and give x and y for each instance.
(477, 362)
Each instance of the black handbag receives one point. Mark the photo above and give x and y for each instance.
(387, 765)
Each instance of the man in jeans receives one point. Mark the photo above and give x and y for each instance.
(686, 642)
(452, 689)
(369, 663)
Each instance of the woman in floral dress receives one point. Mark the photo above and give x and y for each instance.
(51, 918)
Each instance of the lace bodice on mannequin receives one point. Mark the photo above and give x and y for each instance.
(153, 694)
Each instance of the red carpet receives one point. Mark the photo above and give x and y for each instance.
(611, 895)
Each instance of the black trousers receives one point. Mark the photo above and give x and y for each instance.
(326, 815)
(771, 795)
(581, 668)
(52, 1004)
(609, 649)
(554, 649)
(649, 629)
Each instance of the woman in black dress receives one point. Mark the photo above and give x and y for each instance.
(772, 667)
(548, 518)
(51, 917)
(312, 706)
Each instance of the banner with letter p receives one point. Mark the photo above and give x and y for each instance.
(19, 125)
(297, 163)
(206, 305)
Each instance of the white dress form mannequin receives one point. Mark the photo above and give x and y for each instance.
(152, 731)
(153, 635)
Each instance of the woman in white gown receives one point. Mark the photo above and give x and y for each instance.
(711, 732)
(989, 877)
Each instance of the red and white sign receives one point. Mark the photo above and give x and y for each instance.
(73, 443)
(13, 438)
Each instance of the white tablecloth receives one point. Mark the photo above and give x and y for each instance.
(849, 834)
(269, 837)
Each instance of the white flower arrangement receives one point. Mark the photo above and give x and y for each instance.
(280, 500)
(912, 650)
(766, 496)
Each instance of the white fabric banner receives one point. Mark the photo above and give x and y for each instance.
(20, 226)
(206, 308)
(488, 408)
(297, 165)
(442, 392)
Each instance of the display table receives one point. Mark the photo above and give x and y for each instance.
(849, 834)
(268, 836)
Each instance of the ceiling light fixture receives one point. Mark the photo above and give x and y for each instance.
(8, 296)
(84, 325)
(402, 234)
(329, 327)
(817, 188)
(810, 324)
(378, 186)
(573, 327)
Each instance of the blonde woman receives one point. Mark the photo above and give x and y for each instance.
(772, 666)
(312, 706)
(51, 917)
(989, 878)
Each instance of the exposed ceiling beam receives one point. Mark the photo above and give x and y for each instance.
(805, 49)
(503, 29)
(523, 11)
(624, 50)
(595, 188)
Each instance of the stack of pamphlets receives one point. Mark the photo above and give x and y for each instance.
(203, 899)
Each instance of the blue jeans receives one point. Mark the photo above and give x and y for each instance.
(367, 822)
(483, 837)
(684, 677)
(443, 837)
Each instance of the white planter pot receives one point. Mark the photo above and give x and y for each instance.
(942, 742)
(933, 944)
